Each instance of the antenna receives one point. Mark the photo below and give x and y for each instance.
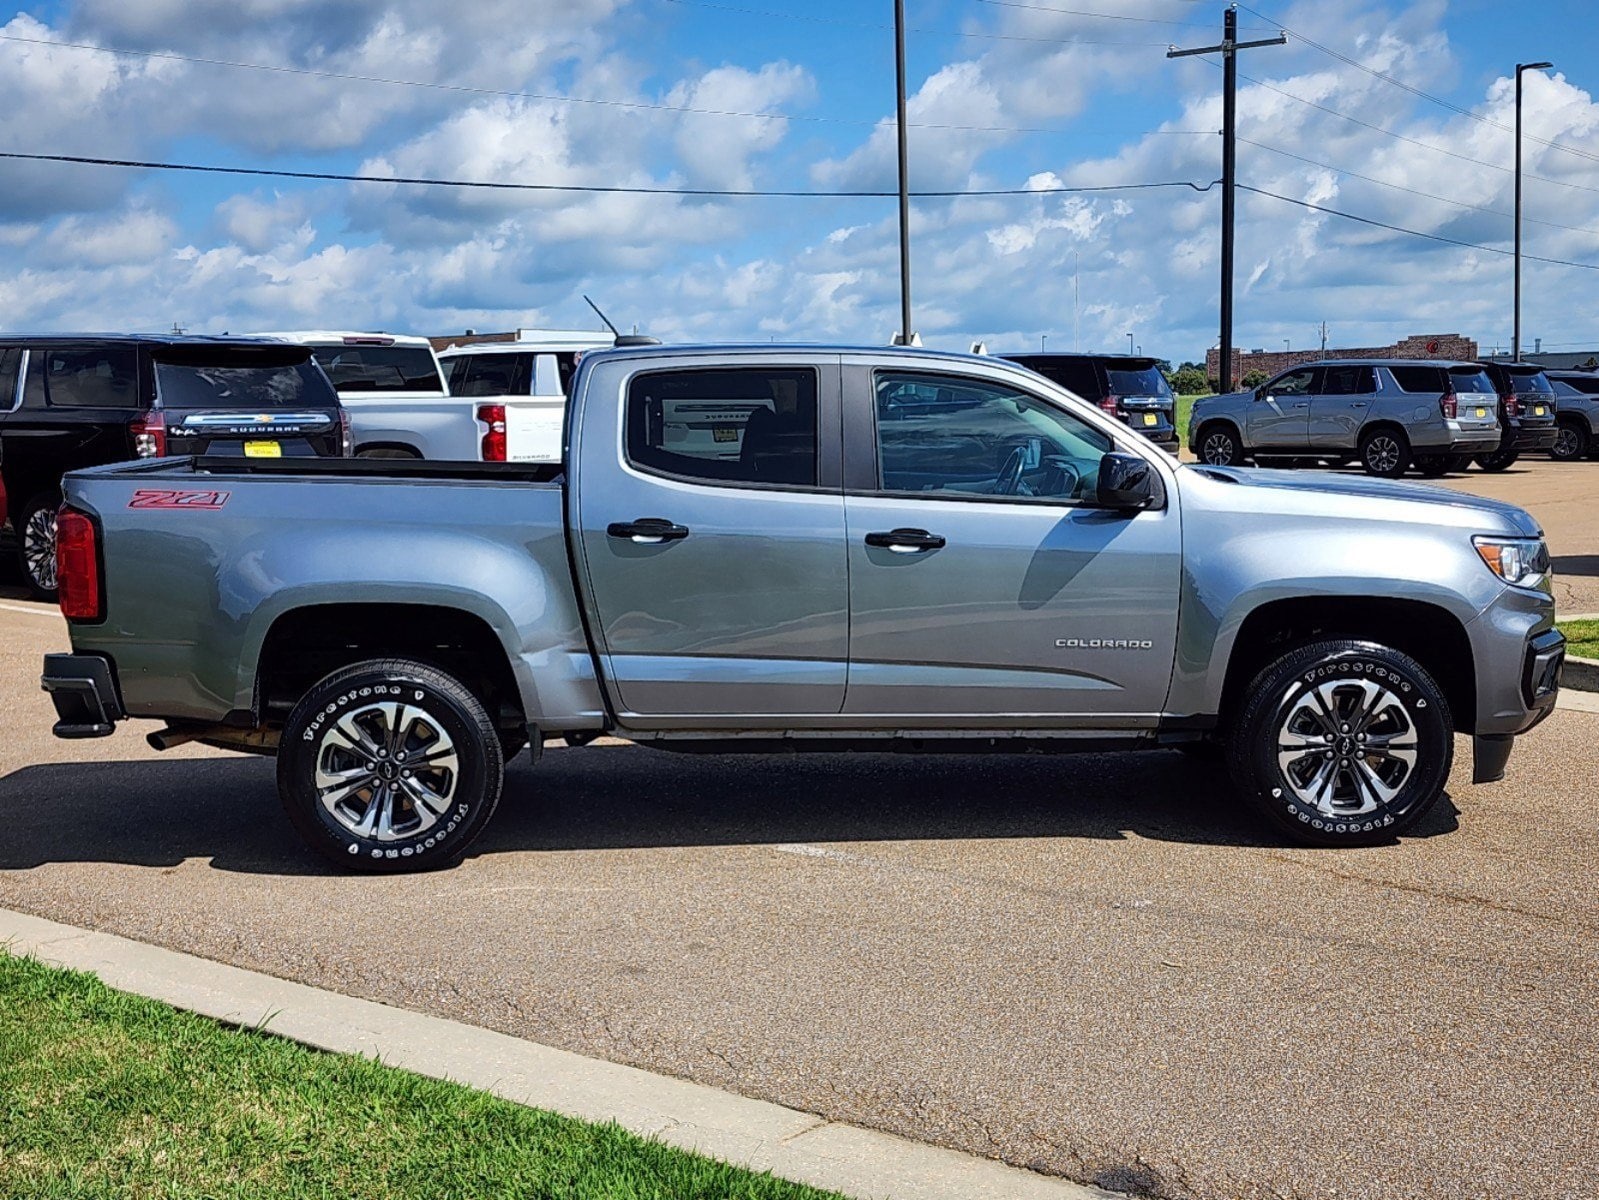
(615, 332)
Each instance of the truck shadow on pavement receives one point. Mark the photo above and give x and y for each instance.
(226, 810)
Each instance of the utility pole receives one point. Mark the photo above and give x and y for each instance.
(906, 337)
(1515, 337)
(1324, 339)
(1229, 48)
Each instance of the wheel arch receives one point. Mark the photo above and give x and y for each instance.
(387, 449)
(1210, 424)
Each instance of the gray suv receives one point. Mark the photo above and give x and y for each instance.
(1387, 414)
(1577, 414)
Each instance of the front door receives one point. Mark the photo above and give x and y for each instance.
(984, 579)
(1280, 419)
(715, 551)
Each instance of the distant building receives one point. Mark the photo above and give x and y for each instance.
(1572, 360)
(1450, 346)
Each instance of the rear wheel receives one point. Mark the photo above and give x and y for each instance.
(388, 766)
(1342, 743)
(1385, 453)
(1499, 460)
(1460, 462)
(387, 452)
(1434, 466)
(1571, 442)
(36, 544)
(1219, 446)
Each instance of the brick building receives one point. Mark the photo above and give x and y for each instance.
(1270, 362)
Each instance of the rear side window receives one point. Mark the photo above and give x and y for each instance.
(1348, 381)
(1137, 380)
(1420, 379)
(491, 375)
(752, 425)
(10, 360)
(380, 368)
(208, 379)
(1471, 380)
(1583, 385)
(89, 377)
(1077, 375)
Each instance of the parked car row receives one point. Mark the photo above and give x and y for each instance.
(1390, 415)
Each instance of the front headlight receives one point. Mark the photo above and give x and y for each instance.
(1520, 562)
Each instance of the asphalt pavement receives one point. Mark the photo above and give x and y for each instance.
(1093, 966)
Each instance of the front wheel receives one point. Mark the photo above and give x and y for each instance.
(1499, 460)
(1342, 743)
(1219, 447)
(36, 544)
(1385, 453)
(1571, 442)
(390, 765)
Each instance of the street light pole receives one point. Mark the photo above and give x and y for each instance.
(906, 337)
(1515, 343)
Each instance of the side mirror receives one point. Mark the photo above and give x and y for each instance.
(1261, 393)
(1126, 482)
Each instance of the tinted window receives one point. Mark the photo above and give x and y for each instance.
(1531, 381)
(1137, 380)
(209, 378)
(1420, 379)
(1586, 385)
(1348, 381)
(492, 375)
(87, 377)
(941, 435)
(1471, 380)
(1295, 383)
(566, 366)
(1077, 375)
(733, 426)
(10, 360)
(380, 368)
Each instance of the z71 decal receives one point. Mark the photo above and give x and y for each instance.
(170, 498)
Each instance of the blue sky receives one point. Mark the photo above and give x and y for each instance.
(1044, 94)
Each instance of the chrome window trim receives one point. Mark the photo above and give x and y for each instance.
(22, 378)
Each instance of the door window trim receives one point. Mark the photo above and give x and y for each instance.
(21, 380)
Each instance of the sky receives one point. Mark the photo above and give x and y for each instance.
(1397, 113)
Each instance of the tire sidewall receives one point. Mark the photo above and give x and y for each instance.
(1282, 685)
(1400, 463)
(477, 787)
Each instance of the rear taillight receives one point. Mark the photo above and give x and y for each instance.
(493, 415)
(1111, 403)
(149, 430)
(77, 566)
(346, 442)
(1512, 405)
(1449, 406)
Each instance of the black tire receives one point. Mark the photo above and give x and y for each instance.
(36, 544)
(1282, 708)
(1460, 462)
(1385, 452)
(387, 452)
(420, 837)
(1219, 446)
(1499, 460)
(1434, 466)
(1571, 442)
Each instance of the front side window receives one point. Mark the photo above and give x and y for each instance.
(941, 435)
(85, 377)
(1077, 375)
(744, 425)
(1295, 383)
(1348, 381)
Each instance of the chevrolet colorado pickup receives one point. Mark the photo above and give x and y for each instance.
(805, 548)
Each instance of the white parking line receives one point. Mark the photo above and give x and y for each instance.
(41, 610)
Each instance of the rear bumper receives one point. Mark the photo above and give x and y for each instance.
(1538, 437)
(84, 691)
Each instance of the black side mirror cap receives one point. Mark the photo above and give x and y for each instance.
(1126, 482)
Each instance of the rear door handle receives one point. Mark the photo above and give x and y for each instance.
(647, 531)
(906, 541)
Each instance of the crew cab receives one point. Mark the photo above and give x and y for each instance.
(78, 400)
(911, 551)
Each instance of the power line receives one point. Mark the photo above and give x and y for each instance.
(1104, 16)
(500, 185)
(1498, 212)
(1431, 237)
(998, 37)
(1418, 92)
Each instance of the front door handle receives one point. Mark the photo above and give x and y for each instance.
(906, 541)
(1358, 404)
(1303, 404)
(647, 531)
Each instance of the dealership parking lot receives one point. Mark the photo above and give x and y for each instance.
(1095, 966)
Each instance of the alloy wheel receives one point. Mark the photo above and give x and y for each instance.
(387, 771)
(1567, 444)
(1346, 747)
(39, 548)
(1219, 450)
(1382, 454)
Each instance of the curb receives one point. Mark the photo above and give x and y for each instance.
(756, 1134)
(1582, 674)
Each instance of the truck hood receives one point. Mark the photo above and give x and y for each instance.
(1268, 491)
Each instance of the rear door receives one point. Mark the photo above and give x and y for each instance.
(1340, 406)
(77, 401)
(1280, 417)
(984, 580)
(710, 519)
(261, 401)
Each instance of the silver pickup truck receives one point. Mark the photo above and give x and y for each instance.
(810, 548)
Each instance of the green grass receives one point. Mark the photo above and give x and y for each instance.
(103, 1094)
(1185, 405)
(1582, 638)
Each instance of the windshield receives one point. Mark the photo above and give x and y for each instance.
(1470, 381)
(1137, 380)
(250, 381)
(380, 368)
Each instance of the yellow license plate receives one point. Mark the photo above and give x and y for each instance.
(721, 434)
(262, 450)
(1538, 412)
(1151, 419)
(1482, 412)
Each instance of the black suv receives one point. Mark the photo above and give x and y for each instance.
(73, 401)
(1127, 386)
(1526, 412)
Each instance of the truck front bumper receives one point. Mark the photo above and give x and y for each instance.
(83, 688)
(1543, 658)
